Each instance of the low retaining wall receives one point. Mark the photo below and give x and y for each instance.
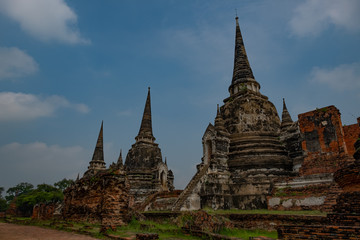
(253, 221)
(272, 221)
(158, 216)
(318, 232)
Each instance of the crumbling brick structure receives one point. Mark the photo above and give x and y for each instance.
(344, 222)
(101, 198)
(324, 141)
(44, 211)
(326, 147)
(351, 133)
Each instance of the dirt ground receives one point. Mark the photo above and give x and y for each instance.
(13, 231)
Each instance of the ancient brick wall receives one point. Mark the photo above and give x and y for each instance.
(318, 232)
(271, 221)
(44, 211)
(311, 197)
(351, 134)
(324, 141)
(102, 198)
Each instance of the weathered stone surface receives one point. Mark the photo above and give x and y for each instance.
(201, 220)
(44, 211)
(12, 209)
(102, 198)
(97, 163)
(324, 143)
(351, 134)
(147, 172)
(161, 201)
(243, 156)
(344, 223)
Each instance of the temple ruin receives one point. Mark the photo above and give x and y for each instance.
(105, 195)
(252, 160)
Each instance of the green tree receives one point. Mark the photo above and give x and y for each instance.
(19, 189)
(63, 184)
(44, 193)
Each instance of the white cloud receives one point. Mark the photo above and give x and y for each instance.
(314, 16)
(15, 63)
(38, 162)
(22, 106)
(44, 19)
(342, 77)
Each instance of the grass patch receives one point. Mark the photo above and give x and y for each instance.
(167, 229)
(266, 211)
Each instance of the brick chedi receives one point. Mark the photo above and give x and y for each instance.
(242, 152)
(101, 198)
(144, 166)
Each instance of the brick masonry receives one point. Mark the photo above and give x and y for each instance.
(318, 232)
(324, 142)
(102, 198)
(344, 222)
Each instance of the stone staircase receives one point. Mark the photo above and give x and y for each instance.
(148, 200)
(189, 188)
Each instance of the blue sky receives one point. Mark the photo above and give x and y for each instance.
(67, 65)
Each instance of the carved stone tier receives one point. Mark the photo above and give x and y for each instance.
(254, 127)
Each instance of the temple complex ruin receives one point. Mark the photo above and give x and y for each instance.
(252, 160)
(105, 195)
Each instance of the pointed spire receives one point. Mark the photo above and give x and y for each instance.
(219, 121)
(120, 160)
(99, 148)
(78, 177)
(165, 161)
(145, 132)
(285, 118)
(243, 77)
(97, 161)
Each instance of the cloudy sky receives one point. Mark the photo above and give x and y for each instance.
(67, 65)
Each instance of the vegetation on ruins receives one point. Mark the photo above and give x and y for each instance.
(63, 184)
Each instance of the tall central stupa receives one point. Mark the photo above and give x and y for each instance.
(243, 156)
(251, 120)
